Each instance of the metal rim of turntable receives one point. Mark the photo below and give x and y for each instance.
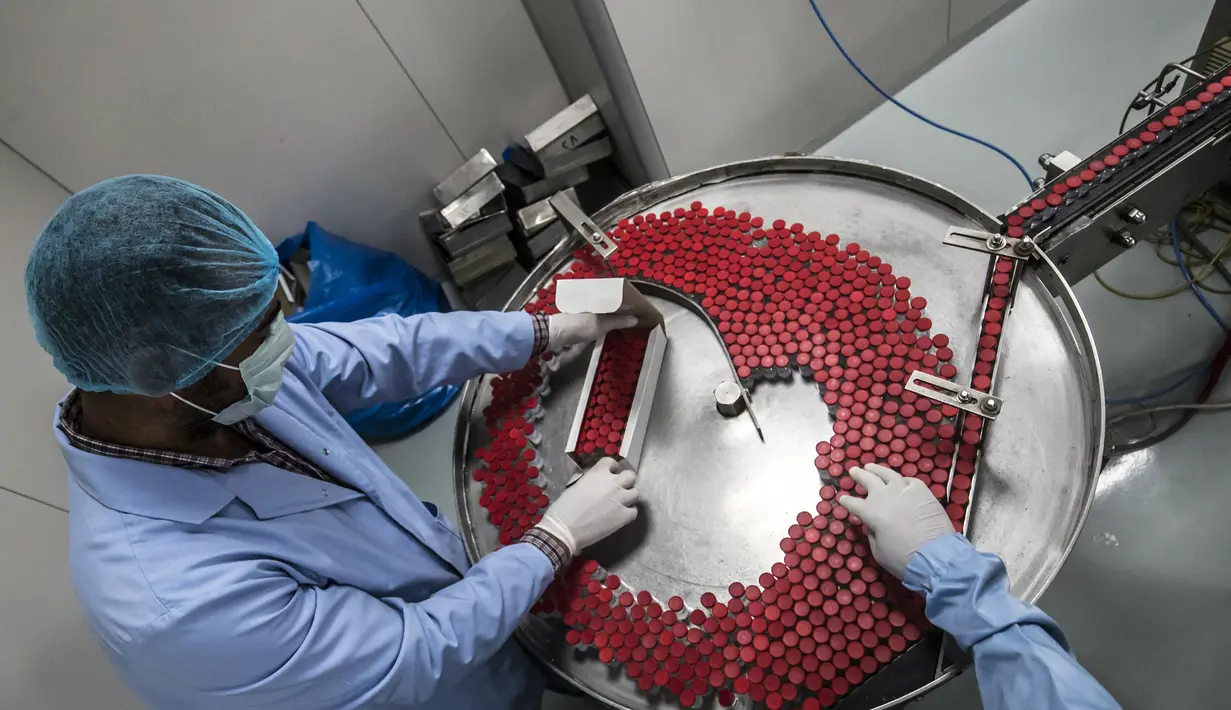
(1054, 318)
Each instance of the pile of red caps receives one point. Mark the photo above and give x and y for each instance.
(824, 619)
(611, 394)
(806, 632)
(510, 495)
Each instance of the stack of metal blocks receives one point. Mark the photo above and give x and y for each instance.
(494, 221)
(470, 230)
(552, 158)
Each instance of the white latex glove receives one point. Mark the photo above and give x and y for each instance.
(565, 329)
(599, 503)
(902, 515)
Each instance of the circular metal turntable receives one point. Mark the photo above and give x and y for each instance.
(716, 499)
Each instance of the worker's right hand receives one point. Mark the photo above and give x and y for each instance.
(902, 515)
(599, 503)
(568, 329)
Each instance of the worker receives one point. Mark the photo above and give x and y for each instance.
(1022, 659)
(234, 543)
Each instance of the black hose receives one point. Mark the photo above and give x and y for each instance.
(1211, 381)
(1155, 438)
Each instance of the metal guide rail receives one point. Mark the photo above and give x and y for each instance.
(1105, 203)
(690, 605)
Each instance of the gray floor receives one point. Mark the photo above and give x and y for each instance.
(1143, 597)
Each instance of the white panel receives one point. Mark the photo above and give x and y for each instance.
(964, 14)
(48, 658)
(294, 109)
(479, 64)
(1002, 88)
(575, 59)
(29, 385)
(733, 79)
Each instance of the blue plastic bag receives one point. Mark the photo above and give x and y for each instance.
(351, 282)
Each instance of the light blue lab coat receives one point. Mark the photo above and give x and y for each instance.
(1022, 659)
(262, 588)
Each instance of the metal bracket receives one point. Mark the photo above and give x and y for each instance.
(990, 243)
(1154, 99)
(1058, 164)
(960, 396)
(583, 225)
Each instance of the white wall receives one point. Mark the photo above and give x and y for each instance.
(478, 63)
(293, 109)
(733, 79)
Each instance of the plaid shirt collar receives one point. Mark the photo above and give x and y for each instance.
(268, 448)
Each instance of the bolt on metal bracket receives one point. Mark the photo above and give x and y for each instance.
(991, 243)
(963, 397)
(583, 225)
(1125, 239)
(1135, 216)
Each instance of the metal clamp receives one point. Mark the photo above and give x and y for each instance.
(583, 225)
(991, 243)
(960, 396)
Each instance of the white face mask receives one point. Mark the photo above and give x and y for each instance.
(262, 374)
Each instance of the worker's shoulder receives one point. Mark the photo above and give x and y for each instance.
(133, 573)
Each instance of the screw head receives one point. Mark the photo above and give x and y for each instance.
(965, 397)
(990, 405)
(996, 241)
(1025, 245)
(1125, 239)
(1135, 216)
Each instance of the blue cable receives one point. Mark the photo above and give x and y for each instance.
(1175, 244)
(911, 111)
(1192, 372)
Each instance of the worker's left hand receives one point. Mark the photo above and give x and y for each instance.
(599, 503)
(565, 329)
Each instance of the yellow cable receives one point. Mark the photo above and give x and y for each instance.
(1168, 293)
(1159, 252)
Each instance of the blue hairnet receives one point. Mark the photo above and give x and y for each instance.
(141, 284)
